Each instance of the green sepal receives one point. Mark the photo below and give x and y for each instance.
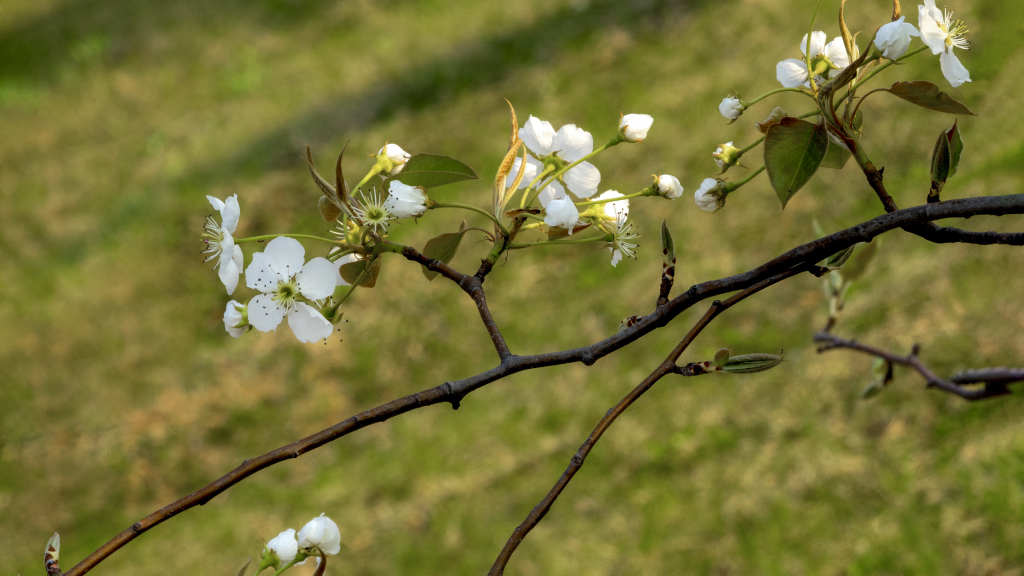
(793, 150)
(431, 171)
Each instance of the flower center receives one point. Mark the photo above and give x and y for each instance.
(955, 31)
(214, 237)
(286, 292)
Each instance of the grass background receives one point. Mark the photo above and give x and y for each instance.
(121, 391)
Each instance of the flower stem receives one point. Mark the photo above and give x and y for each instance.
(650, 191)
(871, 74)
(286, 566)
(468, 207)
(601, 238)
(272, 236)
(807, 47)
(730, 187)
(373, 172)
(751, 147)
(773, 92)
(530, 192)
(568, 167)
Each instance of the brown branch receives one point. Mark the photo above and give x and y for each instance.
(995, 379)
(453, 392)
(667, 367)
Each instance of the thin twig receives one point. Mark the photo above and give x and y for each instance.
(667, 367)
(995, 379)
(454, 391)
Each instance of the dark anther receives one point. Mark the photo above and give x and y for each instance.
(137, 527)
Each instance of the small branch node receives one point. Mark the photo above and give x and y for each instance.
(137, 527)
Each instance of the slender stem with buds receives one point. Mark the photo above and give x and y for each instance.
(432, 205)
(650, 191)
(265, 237)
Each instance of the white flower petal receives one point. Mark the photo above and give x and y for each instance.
(533, 167)
(835, 51)
(572, 143)
(260, 276)
(308, 324)
(818, 40)
(284, 545)
(791, 72)
(236, 257)
(551, 192)
(229, 272)
(264, 313)
(617, 209)
(893, 39)
(953, 70)
(616, 257)
(730, 108)
(583, 179)
(232, 318)
(405, 201)
(317, 279)
(929, 20)
(562, 212)
(704, 200)
(669, 186)
(285, 256)
(218, 205)
(636, 126)
(537, 135)
(230, 213)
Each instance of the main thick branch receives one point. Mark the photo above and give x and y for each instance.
(453, 392)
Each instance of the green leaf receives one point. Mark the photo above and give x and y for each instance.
(835, 157)
(668, 248)
(940, 162)
(836, 261)
(431, 171)
(350, 272)
(750, 363)
(793, 150)
(329, 210)
(721, 357)
(863, 256)
(928, 95)
(871, 390)
(956, 147)
(442, 248)
(557, 232)
(241, 571)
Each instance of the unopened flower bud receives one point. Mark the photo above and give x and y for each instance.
(750, 363)
(322, 533)
(668, 186)
(392, 159)
(236, 319)
(710, 196)
(405, 201)
(726, 156)
(893, 39)
(634, 127)
(562, 212)
(280, 550)
(731, 108)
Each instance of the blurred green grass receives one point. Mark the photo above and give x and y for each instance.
(121, 391)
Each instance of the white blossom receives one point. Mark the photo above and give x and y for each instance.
(621, 240)
(284, 545)
(371, 211)
(405, 201)
(893, 39)
(792, 72)
(562, 212)
(669, 187)
(570, 143)
(220, 244)
(730, 108)
(279, 273)
(321, 532)
(396, 155)
(616, 209)
(707, 196)
(941, 33)
(235, 321)
(634, 127)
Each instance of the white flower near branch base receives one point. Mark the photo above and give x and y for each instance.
(621, 244)
(893, 39)
(533, 168)
(634, 127)
(942, 34)
(561, 212)
(831, 57)
(669, 187)
(570, 144)
(220, 244)
(280, 274)
(284, 545)
(396, 157)
(708, 197)
(236, 321)
(322, 533)
(405, 201)
(730, 108)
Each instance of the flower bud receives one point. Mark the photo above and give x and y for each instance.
(711, 195)
(731, 108)
(236, 319)
(668, 186)
(391, 158)
(405, 201)
(750, 363)
(562, 212)
(893, 39)
(280, 550)
(634, 127)
(321, 532)
(726, 156)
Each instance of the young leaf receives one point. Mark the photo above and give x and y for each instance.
(442, 248)
(956, 146)
(341, 187)
(668, 247)
(940, 164)
(241, 571)
(329, 210)
(351, 272)
(721, 357)
(928, 95)
(857, 265)
(793, 150)
(836, 261)
(750, 363)
(835, 157)
(557, 232)
(432, 170)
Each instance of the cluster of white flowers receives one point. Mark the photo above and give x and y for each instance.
(827, 58)
(319, 537)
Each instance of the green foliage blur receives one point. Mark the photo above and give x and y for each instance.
(120, 390)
